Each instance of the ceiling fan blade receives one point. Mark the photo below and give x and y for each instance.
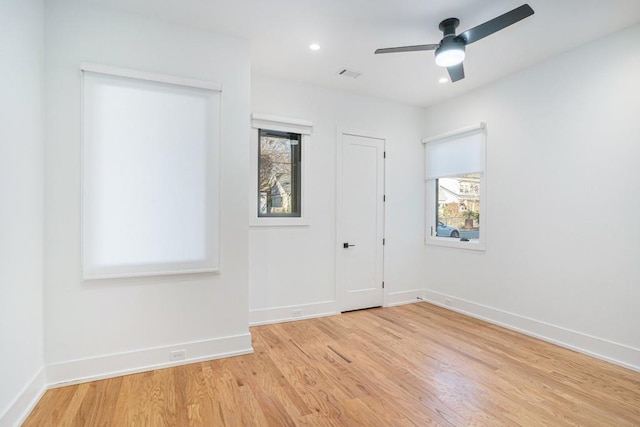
(456, 72)
(496, 24)
(407, 48)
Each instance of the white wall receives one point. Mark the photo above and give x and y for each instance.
(21, 199)
(563, 228)
(106, 327)
(294, 267)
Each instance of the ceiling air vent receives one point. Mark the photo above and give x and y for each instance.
(349, 73)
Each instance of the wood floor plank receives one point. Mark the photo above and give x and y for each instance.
(413, 365)
(52, 407)
(120, 412)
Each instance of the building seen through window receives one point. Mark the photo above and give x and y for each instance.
(458, 206)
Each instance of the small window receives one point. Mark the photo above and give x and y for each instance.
(279, 174)
(455, 188)
(278, 164)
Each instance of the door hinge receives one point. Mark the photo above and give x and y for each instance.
(384, 197)
(382, 285)
(384, 154)
(383, 241)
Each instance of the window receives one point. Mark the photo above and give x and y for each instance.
(278, 161)
(150, 174)
(455, 188)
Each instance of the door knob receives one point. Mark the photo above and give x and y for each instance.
(346, 245)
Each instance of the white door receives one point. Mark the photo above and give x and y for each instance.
(360, 227)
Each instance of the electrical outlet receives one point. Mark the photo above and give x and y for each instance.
(448, 302)
(177, 355)
(296, 313)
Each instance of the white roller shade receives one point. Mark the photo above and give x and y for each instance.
(455, 153)
(150, 177)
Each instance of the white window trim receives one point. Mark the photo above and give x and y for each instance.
(154, 77)
(430, 195)
(281, 124)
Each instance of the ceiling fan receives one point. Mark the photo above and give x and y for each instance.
(450, 52)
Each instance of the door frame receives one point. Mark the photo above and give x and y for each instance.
(339, 207)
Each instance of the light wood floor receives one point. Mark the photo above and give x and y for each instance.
(411, 365)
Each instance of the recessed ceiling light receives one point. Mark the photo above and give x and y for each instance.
(314, 46)
(443, 80)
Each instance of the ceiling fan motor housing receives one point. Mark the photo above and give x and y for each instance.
(448, 26)
(452, 49)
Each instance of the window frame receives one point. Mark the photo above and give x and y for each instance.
(278, 124)
(431, 203)
(296, 171)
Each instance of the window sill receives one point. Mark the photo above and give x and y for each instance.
(143, 274)
(278, 222)
(455, 243)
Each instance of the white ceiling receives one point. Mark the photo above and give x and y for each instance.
(348, 32)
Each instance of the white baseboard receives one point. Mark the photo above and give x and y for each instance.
(406, 297)
(96, 368)
(25, 402)
(327, 308)
(619, 354)
(292, 312)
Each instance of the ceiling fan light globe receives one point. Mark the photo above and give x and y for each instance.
(449, 57)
